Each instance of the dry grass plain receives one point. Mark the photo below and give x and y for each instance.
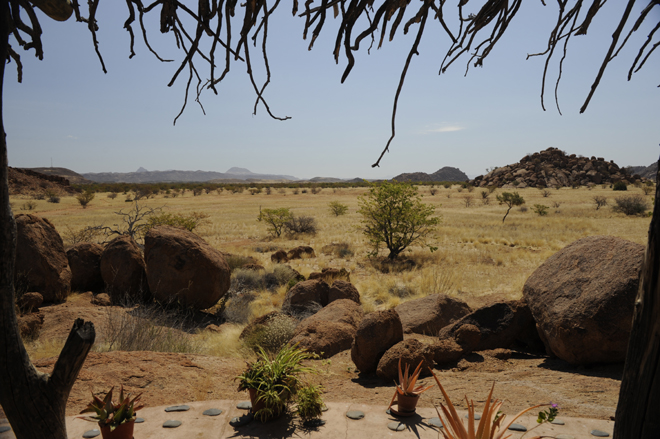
(478, 255)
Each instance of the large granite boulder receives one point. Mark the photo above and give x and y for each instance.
(582, 299)
(378, 331)
(41, 264)
(331, 330)
(305, 296)
(182, 268)
(411, 352)
(340, 289)
(303, 251)
(499, 325)
(85, 262)
(428, 315)
(330, 274)
(124, 271)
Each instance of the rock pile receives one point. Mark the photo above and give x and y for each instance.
(553, 168)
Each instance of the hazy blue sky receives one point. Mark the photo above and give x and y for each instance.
(68, 110)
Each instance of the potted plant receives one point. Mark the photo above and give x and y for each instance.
(489, 426)
(116, 419)
(406, 394)
(275, 385)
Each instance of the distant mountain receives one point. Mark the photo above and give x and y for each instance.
(73, 177)
(144, 176)
(443, 174)
(645, 171)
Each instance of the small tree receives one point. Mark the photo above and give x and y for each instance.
(540, 209)
(85, 197)
(394, 214)
(511, 200)
(337, 208)
(600, 201)
(275, 219)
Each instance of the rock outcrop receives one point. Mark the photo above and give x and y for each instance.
(554, 168)
(331, 330)
(428, 315)
(41, 264)
(411, 352)
(377, 333)
(182, 268)
(124, 271)
(582, 299)
(85, 262)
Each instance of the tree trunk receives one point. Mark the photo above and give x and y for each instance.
(34, 402)
(638, 411)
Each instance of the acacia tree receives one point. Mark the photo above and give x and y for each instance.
(393, 214)
(34, 402)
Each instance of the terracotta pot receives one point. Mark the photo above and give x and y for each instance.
(123, 431)
(407, 403)
(258, 405)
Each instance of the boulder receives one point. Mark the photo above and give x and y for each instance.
(102, 299)
(331, 330)
(306, 295)
(41, 264)
(447, 351)
(85, 262)
(341, 289)
(428, 315)
(182, 268)
(29, 325)
(29, 302)
(411, 352)
(300, 252)
(331, 274)
(124, 271)
(279, 257)
(499, 325)
(582, 299)
(378, 331)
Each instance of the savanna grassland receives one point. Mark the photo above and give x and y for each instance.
(479, 259)
(477, 253)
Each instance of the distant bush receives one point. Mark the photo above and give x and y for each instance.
(112, 195)
(300, 225)
(337, 209)
(540, 209)
(631, 205)
(341, 250)
(189, 222)
(648, 189)
(619, 186)
(600, 201)
(52, 197)
(29, 205)
(85, 197)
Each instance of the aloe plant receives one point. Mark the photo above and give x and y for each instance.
(407, 382)
(112, 414)
(489, 425)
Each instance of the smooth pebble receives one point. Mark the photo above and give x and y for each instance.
(599, 433)
(355, 414)
(244, 405)
(171, 424)
(91, 433)
(177, 408)
(396, 426)
(212, 412)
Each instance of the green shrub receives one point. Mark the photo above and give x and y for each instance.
(272, 335)
(85, 197)
(540, 209)
(619, 186)
(510, 200)
(275, 219)
(189, 222)
(631, 205)
(337, 209)
(300, 225)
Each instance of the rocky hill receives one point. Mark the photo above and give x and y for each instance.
(29, 182)
(554, 168)
(444, 174)
(649, 172)
(72, 177)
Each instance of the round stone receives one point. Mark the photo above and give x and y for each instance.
(139, 420)
(355, 414)
(436, 422)
(564, 436)
(244, 405)
(477, 417)
(324, 408)
(177, 408)
(313, 423)
(87, 434)
(171, 424)
(212, 412)
(557, 422)
(5, 429)
(240, 421)
(388, 411)
(599, 433)
(396, 426)
(517, 427)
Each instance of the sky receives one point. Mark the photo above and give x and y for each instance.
(68, 113)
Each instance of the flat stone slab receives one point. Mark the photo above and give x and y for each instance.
(90, 433)
(558, 422)
(244, 405)
(564, 436)
(396, 426)
(171, 424)
(314, 423)
(4, 429)
(436, 422)
(517, 427)
(177, 408)
(355, 414)
(139, 420)
(212, 412)
(599, 433)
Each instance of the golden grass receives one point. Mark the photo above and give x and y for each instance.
(478, 254)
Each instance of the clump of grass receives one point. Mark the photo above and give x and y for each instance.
(272, 335)
(340, 250)
(631, 205)
(225, 343)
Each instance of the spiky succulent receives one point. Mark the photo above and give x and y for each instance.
(110, 413)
